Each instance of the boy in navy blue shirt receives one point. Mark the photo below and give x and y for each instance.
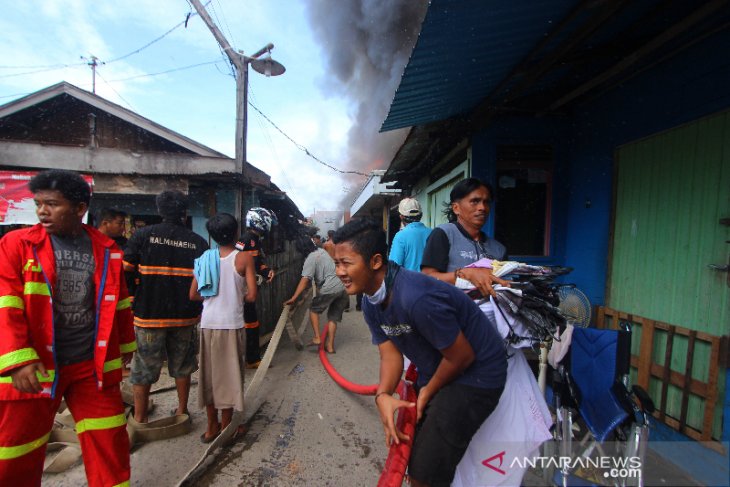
(460, 357)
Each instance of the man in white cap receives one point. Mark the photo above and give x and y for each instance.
(409, 242)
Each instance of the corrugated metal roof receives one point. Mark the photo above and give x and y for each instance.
(464, 50)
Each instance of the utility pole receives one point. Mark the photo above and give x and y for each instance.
(240, 63)
(93, 62)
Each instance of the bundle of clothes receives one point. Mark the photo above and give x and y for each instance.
(524, 314)
(527, 311)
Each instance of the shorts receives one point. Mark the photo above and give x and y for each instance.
(178, 344)
(450, 420)
(335, 304)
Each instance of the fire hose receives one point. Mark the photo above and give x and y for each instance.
(399, 453)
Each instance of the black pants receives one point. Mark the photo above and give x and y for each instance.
(253, 352)
(449, 421)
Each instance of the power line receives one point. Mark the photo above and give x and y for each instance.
(44, 66)
(272, 148)
(53, 67)
(225, 22)
(115, 91)
(167, 71)
(57, 67)
(131, 77)
(184, 22)
(304, 149)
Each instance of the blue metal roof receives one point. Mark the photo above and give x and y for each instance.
(465, 49)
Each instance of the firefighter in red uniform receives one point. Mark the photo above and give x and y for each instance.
(258, 224)
(65, 332)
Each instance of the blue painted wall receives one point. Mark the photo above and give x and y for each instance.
(689, 86)
(521, 131)
(693, 84)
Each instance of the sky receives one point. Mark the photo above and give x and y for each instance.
(343, 60)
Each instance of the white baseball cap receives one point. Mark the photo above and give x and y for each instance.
(409, 207)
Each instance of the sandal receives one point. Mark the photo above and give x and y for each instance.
(312, 343)
(239, 433)
(209, 439)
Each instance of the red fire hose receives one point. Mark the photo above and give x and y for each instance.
(398, 454)
(341, 381)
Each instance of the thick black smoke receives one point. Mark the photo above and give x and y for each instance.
(367, 44)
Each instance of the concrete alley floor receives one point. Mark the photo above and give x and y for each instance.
(307, 432)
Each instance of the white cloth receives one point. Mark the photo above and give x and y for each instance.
(515, 429)
(559, 349)
(513, 432)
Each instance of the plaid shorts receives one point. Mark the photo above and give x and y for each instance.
(179, 345)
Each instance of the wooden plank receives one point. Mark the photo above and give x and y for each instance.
(698, 388)
(695, 435)
(711, 398)
(723, 360)
(666, 372)
(705, 337)
(645, 354)
(687, 381)
(600, 318)
(648, 369)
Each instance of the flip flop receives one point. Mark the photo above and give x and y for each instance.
(241, 430)
(332, 351)
(209, 439)
(312, 343)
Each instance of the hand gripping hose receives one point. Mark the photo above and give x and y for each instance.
(398, 454)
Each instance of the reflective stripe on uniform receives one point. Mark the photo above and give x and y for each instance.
(113, 365)
(90, 424)
(163, 322)
(123, 484)
(10, 301)
(128, 347)
(18, 357)
(165, 271)
(51, 376)
(124, 303)
(10, 452)
(36, 288)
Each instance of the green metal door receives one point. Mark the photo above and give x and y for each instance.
(671, 206)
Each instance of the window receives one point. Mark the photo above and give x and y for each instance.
(523, 194)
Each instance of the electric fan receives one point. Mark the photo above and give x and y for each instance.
(574, 305)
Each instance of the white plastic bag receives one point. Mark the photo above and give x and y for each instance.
(511, 435)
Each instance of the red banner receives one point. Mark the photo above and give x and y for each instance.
(16, 200)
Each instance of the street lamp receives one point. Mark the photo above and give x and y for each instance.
(266, 66)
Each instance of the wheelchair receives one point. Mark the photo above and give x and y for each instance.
(590, 389)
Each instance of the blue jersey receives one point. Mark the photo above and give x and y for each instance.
(424, 316)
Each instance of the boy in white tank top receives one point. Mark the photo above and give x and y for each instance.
(223, 279)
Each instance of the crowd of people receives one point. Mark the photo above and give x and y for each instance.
(165, 296)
